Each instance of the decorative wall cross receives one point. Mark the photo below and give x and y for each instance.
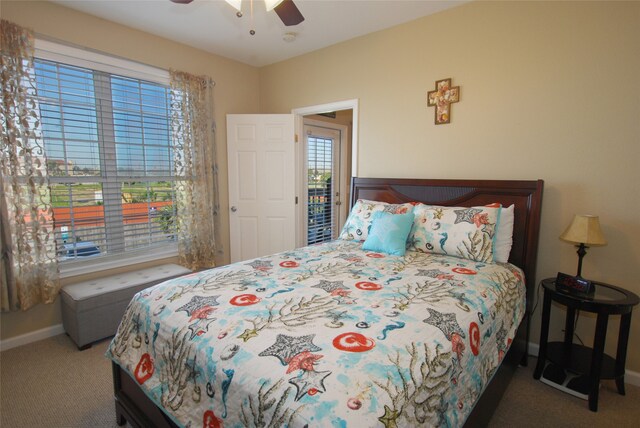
(442, 98)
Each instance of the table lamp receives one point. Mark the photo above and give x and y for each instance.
(584, 231)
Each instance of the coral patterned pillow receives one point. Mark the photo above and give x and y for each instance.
(359, 221)
(456, 231)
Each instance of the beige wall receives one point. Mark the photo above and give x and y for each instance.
(549, 90)
(235, 92)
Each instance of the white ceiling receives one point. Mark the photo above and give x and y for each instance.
(212, 25)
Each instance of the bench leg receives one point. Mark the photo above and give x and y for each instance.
(84, 347)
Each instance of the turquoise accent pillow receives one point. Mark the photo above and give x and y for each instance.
(389, 232)
(358, 223)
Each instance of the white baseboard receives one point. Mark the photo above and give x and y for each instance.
(33, 336)
(534, 349)
(630, 377)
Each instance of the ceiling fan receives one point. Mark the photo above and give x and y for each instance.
(286, 9)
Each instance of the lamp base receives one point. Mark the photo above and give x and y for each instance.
(582, 251)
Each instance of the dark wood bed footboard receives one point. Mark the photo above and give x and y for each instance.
(133, 406)
(490, 398)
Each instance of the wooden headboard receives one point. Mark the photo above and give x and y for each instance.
(525, 195)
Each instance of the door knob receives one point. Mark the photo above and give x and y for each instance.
(234, 209)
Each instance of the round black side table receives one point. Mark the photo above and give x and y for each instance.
(590, 364)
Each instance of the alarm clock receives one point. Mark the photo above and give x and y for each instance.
(574, 284)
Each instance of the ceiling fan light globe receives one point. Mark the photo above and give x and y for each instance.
(271, 4)
(236, 4)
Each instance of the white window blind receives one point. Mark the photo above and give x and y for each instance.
(320, 169)
(108, 143)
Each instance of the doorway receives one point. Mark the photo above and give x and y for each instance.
(337, 113)
(277, 226)
(326, 151)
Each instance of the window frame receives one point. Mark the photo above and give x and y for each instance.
(52, 51)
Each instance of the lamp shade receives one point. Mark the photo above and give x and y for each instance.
(584, 229)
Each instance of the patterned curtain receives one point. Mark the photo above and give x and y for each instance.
(28, 268)
(197, 205)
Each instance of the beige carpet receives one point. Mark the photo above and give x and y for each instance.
(531, 403)
(50, 383)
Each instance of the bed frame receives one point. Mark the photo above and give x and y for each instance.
(133, 406)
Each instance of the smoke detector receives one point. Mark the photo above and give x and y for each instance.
(289, 36)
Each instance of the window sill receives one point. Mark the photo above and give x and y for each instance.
(76, 268)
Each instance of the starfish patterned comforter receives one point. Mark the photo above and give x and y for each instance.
(326, 335)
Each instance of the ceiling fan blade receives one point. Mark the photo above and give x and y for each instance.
(182, 1)
(289, 13)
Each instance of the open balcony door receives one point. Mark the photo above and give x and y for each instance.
(325, 146)
(261, 165)
(301, 171)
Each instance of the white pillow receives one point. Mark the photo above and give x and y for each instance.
(504, 236)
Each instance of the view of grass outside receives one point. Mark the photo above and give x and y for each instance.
(89, 194)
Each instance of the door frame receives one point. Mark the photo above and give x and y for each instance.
(342, 186)
(298, 123)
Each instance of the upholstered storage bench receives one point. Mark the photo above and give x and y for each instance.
(92, 310)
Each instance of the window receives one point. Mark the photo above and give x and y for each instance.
(109, 151)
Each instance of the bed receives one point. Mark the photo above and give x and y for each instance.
(334, 335)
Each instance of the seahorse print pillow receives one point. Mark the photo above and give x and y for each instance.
(357, 226)
(456, 231)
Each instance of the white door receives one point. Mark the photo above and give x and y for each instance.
(260, 152)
